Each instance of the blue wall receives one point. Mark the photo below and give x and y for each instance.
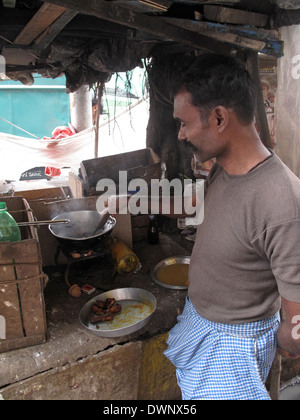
(38, 109)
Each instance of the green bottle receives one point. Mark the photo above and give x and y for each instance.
(9, 230)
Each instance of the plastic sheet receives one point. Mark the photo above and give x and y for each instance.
(288, 100)
(115, 56)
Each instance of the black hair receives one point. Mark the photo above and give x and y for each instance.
(214, 80)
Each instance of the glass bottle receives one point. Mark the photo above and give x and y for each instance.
(153, 234)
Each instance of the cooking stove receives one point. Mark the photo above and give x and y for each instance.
(79, 261)
(77, 256)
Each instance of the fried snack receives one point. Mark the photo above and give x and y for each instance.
(103, 311)
(94, 319)
(115, 309)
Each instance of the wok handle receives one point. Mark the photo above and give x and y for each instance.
(44, 222)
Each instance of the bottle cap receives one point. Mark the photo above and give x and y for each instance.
(2, 206)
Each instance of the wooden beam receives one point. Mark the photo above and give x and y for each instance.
(235, 39)
(224, 2)
(45, 16)
(259, 40)
(49, 34)
(235, 16)
(146, 6)
(109, 11)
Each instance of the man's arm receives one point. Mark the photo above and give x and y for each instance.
(288, 336)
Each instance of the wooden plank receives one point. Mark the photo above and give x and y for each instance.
(146, 6)
(9, 297)
(76, 185)
(21, 302)
(241, 17)
(21, 284)
(28, 265)
(260, 40)
(108, 11)
(235, 39)
(224, 2)
(9, 301)
(45, 38)
(44, 17)
(33, 306)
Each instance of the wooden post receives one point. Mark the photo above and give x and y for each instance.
(261, 117)
(100, 90)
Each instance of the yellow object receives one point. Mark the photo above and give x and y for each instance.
(125, 260)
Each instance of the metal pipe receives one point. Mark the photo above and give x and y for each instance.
(43, 222)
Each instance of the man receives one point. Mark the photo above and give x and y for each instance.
(245, 263)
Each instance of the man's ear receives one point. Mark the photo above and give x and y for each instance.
(220, 118)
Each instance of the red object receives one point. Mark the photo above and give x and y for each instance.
(52, 171)
(59, 133)
(87, 289)
(63, 132)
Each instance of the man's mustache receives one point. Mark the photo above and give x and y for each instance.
(189, 146)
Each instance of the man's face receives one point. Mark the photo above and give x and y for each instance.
(198, 133)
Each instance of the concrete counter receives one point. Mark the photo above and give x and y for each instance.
(75, 364)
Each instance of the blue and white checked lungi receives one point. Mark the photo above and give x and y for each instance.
(219, 361)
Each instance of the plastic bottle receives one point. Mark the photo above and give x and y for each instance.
(9, 230)
(153, 234)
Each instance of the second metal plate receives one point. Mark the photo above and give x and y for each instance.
(181, 283)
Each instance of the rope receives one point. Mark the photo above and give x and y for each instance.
(27, 132)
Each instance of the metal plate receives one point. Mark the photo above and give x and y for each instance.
(155, 273)
(138, 306)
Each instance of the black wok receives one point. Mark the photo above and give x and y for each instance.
(79, 234)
